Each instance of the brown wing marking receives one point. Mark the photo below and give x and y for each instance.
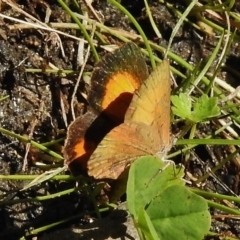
(115, 79)
(84, 134)
(75, 144)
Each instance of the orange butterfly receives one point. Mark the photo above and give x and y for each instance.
(133, 116)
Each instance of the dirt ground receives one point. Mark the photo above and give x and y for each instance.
(37, 106)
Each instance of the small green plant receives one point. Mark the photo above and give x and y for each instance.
(205, 107)
(161, 205)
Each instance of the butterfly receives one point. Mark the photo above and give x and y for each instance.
(130, 116)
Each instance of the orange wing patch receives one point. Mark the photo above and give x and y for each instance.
(76, 145)
(120, 87)
(115, 79)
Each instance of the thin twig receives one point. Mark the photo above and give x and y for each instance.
(79, 77)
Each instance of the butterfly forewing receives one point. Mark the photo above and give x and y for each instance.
(151, 103)
(115, 79)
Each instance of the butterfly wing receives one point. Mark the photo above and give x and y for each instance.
(119, 148)
(83, 136)
(115, 79)
(144, 132)
(113, 83)
(151, 104)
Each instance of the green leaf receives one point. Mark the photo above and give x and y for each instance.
(205, 107)
(148, 177)
(182, 106)
(146, 226)
(176, 213)
(162, 207)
